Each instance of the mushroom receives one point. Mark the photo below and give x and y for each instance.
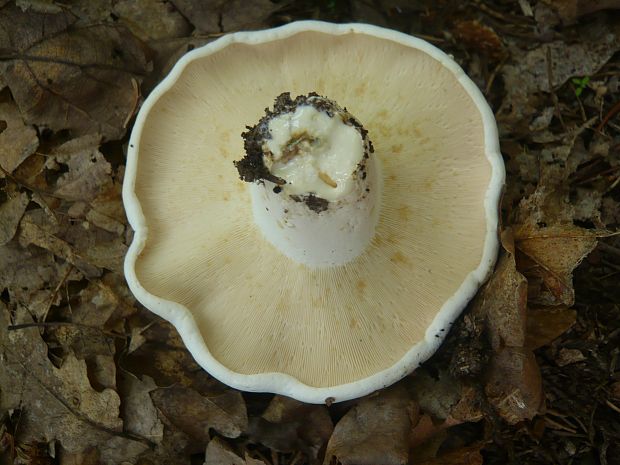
(356, 299)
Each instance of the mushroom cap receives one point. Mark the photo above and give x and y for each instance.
(252, 317)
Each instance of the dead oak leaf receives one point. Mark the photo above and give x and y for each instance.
(550, 254)
(502, 302)
(194, 413)
(469, 455)
(56, 403)
(88, 172)
(32, 277)
(220, 453)
(84, 79)
(138, 411)
(514, 384)
(571, 10)
(11, 212)
(288, 425)
(225, 15)
(545, 324)
(17, 140)
(375, 431)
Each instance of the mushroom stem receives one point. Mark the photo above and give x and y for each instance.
(331, 237)
(316, 185)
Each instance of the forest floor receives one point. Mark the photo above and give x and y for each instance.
(528, 375)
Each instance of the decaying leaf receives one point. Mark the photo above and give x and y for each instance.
(224, 15)
(514, 385)
(374, 431)
(55, 72)
(469, 455)
(571, 10)
(32, 276)
(88, 248)
(549, 272)
(436, 395)
(11, 212)
(151, 19)
(220, 453)
(289, 425)
(17, 140)
(546, 324)
(138, 412)
(194, 414)
(503, 302)
(529, 72)
(88, 171)
(57, 403)
(480, 37)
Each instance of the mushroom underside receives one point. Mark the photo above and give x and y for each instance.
(257, 310)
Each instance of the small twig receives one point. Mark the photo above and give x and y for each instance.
(610, 114)
(64, 323)
(554, 97)
(29, 186)
(494, 74)
(55, 293)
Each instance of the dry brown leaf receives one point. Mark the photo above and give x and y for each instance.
(477, 36)
(11, 212)
(194, 413)
(514, 385)
(569, 356)
(570, 11)
(503, 302)
(88, 171)
(226, 15)
(60, 403)
(551, 254)
(102, 371)
(137, 409)
(17, 140)
(375, 431)
(88, 248)
(107, 210)
(151, 19)
(546, 324)
(469, 455)
(220, 453)
(288, 425)
(32, 276)
(436, 395)
(55, 72)
(529, 72)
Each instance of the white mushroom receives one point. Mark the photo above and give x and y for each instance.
(247, 275)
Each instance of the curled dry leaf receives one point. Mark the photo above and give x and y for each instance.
(54, 71)
(480, 37)
(17, 140)
(375, 431)
(550, 254)
(514, 384)
(194, 413)
(289, 425)
(503, 302)
(11, 212)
